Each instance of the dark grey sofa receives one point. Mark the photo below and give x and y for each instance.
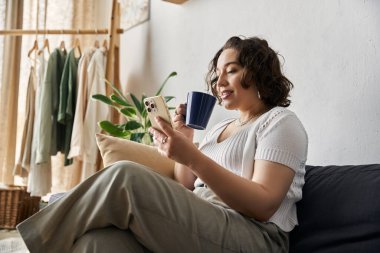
(339, 211)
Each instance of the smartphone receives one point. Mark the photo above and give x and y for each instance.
(156, 106)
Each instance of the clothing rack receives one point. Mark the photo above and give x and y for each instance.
(112, 67)
(20, 32)
(112, 64)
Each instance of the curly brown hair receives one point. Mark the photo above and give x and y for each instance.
(261, 69)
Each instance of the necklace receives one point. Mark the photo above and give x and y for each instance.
(240, 123)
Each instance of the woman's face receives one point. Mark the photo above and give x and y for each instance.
(230, 72)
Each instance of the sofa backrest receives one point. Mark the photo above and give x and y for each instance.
(339, 211)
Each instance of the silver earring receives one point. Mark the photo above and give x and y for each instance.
(258, 95)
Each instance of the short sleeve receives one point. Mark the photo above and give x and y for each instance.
(282, 139)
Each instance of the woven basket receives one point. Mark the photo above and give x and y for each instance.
(16, 205)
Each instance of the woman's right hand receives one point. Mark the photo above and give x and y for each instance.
(179, 122)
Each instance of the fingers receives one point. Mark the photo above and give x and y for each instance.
(165, 126)
(180, 112)
(161, 136)
(179, 115)
(165, 130)
(158, 136)
(179, 119)
(180, 109)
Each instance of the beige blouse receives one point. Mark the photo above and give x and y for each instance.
(23, 165)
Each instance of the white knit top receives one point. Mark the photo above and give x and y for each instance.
(276, 136)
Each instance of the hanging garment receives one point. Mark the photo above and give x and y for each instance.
(39, 180)
(50, 133)
(76, 145)
(22, 167)
(67, 100)
(94, 112)
(58, 131)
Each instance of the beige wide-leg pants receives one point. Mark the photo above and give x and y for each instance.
(129, 208)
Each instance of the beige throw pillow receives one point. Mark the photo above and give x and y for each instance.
(113, 149)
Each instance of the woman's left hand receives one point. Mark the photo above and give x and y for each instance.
(173, 144)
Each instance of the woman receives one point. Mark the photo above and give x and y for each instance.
(245, 177)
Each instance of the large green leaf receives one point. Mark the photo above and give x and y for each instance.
(116, 89)
(137, 103)
(165, 81)
(132, 125)
(114, 130)
(168, 98)
(120, 100)
(144, 113)
(137, 137)
(147, 123)
(128, 111)
(103, 98)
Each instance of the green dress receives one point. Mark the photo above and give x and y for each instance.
(67, 100)
(51, 133)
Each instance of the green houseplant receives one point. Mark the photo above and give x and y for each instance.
(136, 123)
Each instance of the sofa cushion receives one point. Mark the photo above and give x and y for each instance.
(113, 149)
(339, 211)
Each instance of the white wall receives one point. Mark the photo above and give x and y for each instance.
(331, 51)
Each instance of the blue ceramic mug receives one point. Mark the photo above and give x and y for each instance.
(199, 108)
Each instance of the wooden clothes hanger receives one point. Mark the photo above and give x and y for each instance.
(78, 51)
(62, 46)
(96, 44)
(105, 44)
(35, 44)
(46, 45)
(34, 48)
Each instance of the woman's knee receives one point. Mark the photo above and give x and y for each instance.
(127, 173)
(135, 179)
(126, 169)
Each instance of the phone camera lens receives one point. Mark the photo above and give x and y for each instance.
(146, 103)
(149, 110)
(152, 105)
